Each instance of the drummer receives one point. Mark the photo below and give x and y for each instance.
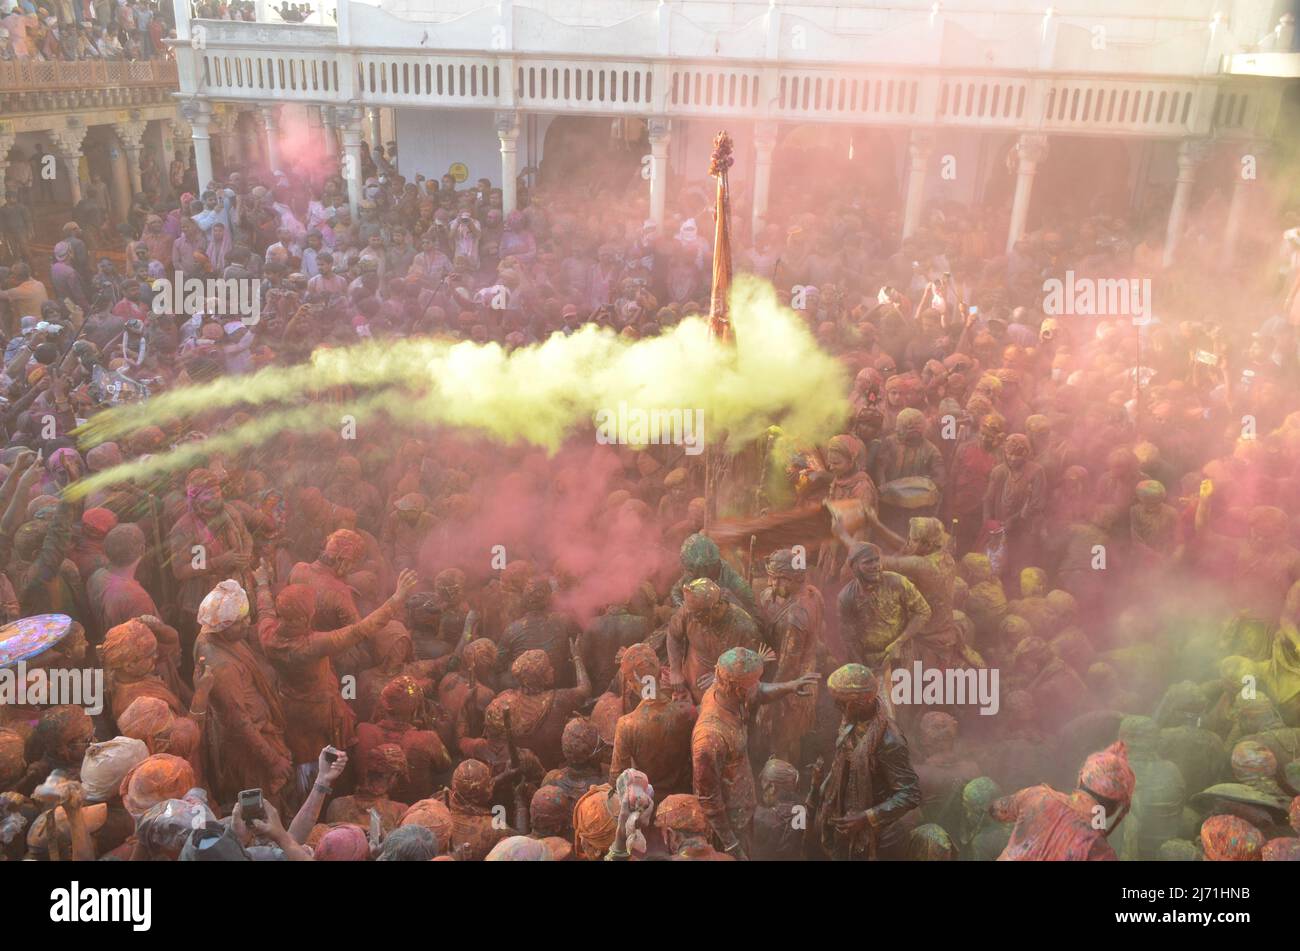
(907, 453)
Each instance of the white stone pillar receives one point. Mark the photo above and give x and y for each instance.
(350, 121)
(1191, 152)
(918, 150)
(1244, 177)
(131, 135)
(660, 133)
(376, 128)
(199, 115)
(327, 131)
(6, 143)
(1030, 150)
(67, 146)
(764, 146)
(507, 124)
(272, 137)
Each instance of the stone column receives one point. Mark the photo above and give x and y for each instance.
(507, 124)
(272, 137)
(764, 146)
(327, 131)
(376, 135)
(131, 135)
(1191, 152)
(1244, 176)
(918, 151)
(199, 115)
(119, 183)
(67, 146)
(1031, 149)
(350, 121)
(660, 133)
(7, 140)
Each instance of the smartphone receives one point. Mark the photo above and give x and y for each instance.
(974, 310)
(251, 805)
(1206, 357)
(331, 754)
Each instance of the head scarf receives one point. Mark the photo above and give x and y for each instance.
(480, 654)
(343, 843)
(740, 667)
(399, 699)
(345, 545)
(777, 772)
(1107, 773)
(471, 783)
(701, 595)
(520, 848)
(682, 814)
(128, 644)
(224, 606)
(700, 555)
(551, 811)
(781, 564)
(147, 719)
(388, 759)
(107, 763)
(1230, 839)
(579, 741)
(434, 815)
(161, 776)
(97, 522)
(850, 446)
(852, 680)
(533, 670)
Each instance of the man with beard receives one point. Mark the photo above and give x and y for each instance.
(1052, 826)
(870, 785)
(208, 544)
(879, 610)
(701, 629)
(723, 778)
(792, 613)
(244, 727)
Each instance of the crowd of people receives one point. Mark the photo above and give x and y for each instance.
(69, 30)
(310, 654)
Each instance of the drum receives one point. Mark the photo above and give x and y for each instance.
(910, 492)
(27, 637)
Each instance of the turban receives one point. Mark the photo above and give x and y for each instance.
(850, 446)
(537, 594)
(579, 741)
(400, 697)
(909, 418)
(1281, 850)
(701, 595)
(520, 848)
(516, 574)
(224, 606)
(700, 554)
(852, 680)
(29, 538)
(938, 730)
(295, 602)
(928, 531)
(107, 763)
(638, 662)
(343, 843)
(533, 670)
(1230, 839)
(472, 782)
(97, 522)
(864, 553)
(550, 811)
(781, 564)
(345, 545)
(201, 480)
(930, 843)
(739, 666)
(148, 439)
(128, 644)
(1251, 760)
(480, 654)
(1108, 773)
(161, 776)
(980, 793)
(682, 814)
(147, 719)
(1149, 490)
(449, 578)
(388, 759)
(777, 772)
(434, 815)
(675, 478)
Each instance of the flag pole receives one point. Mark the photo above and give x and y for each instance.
(720, 161)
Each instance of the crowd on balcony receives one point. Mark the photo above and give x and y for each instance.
(1066, 500)
(72, 30)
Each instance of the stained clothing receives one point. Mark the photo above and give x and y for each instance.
(871, 769)
(873, 618)
(695, 643)
(1052, 826)
(723, 779)
(794, 626)
(656, 739)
